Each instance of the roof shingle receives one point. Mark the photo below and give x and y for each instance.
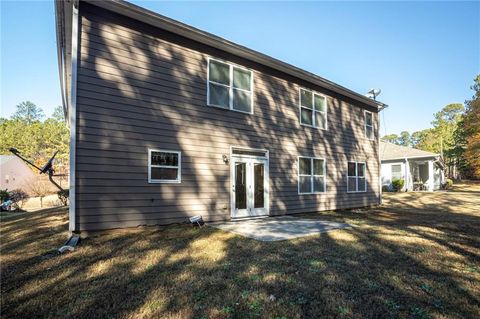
(389, 151)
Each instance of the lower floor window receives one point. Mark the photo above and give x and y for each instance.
(356, 181)
(311, 175)
(164, 166)
(396, 172)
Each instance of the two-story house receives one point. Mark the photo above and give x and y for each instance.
(168, 121)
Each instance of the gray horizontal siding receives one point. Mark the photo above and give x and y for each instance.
(161, 103)
(139, 88)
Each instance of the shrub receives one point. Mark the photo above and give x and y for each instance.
(385, 188)
(448, 183)
(19, 197)
(398, 184)
(4, 195)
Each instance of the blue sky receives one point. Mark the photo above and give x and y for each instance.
(423, 55)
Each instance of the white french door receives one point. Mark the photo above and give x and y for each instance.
(249, 186)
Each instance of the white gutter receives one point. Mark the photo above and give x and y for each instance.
(72, 113)
(61, 61)
(409, 157)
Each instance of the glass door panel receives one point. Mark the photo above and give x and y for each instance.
(259, 181)
(240, 185)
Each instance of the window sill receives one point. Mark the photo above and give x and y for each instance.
(229, 109)
(316, 127)
(315, 193)
(153, 181)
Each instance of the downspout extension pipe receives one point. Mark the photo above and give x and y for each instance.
(70, 244)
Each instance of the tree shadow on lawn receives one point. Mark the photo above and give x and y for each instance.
(454, 231)
(376, 270)
(466, 187)
(441, 202)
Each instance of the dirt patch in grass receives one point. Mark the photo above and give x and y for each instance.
(415, 257)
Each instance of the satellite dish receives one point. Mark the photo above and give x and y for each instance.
(49, 166)
(46, 169)
(373, 93)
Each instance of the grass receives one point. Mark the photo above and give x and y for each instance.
(415, 257)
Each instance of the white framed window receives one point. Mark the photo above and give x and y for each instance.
(311, 175)
(356, 177)
(229, 86)
(396, 171)
(164, 166)
(313, 109)
(369, 125)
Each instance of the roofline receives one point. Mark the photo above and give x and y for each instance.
(146, 16)
(429, 154)
(409, 157)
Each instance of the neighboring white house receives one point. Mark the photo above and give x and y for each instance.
(421, 170)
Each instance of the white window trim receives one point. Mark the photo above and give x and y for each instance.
(366, 125)
(357, 177)
(230, 86)
(313, 108)
(312, 175)
(164, 181)
(391, 171)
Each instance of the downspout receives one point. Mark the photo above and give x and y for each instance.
(380, 191)
(381, 108)
(73, 118)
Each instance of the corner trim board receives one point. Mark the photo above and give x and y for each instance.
(72, 225)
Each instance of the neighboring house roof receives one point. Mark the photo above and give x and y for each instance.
(14, 173)
(64, 12)
(6, 158)
(389, 151)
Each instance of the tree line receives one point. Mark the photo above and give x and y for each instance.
(35, 137)
(455, 134)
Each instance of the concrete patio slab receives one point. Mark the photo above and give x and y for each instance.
(278, 228)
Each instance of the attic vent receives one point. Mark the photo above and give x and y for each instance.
(249, 152)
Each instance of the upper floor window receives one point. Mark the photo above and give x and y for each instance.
(164, 166)
(229, 87)
(313, 109)
(369, 125)
(356, 180)
(311, 175)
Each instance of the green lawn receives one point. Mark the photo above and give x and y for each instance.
(418, 256)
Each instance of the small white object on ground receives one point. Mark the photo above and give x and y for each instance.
(70, 244)
(196, 220)
(65, 248)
